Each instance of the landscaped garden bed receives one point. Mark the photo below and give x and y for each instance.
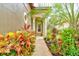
(64, 42)
(19, 43)
(63, 30)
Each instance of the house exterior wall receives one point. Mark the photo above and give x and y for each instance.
(12, 16)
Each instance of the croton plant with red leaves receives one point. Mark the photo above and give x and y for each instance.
(17, 43)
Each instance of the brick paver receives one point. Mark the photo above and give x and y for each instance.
(41, 48)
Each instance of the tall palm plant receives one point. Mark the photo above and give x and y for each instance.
(65, 12)
(73, 15)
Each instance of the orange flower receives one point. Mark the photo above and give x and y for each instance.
(1, 36)
(7, 37)
(15, 35)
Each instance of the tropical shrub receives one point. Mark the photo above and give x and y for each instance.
(66, 43)
(68, 47)
(19, 43)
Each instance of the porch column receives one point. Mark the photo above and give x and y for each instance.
(34, 24)
(45, 28)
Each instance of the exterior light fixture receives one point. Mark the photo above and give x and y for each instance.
(25, 17)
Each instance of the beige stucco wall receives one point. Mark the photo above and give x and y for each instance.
(11, 16)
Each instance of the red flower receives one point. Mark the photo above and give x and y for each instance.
(22, 43)
(28, 43)
(21, 37)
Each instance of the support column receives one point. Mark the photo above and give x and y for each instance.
(45, 28)
(34, 24)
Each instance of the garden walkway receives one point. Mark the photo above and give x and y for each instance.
(41, 48)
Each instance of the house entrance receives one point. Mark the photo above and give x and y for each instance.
(39, 26)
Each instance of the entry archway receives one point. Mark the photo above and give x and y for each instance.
(39, 26)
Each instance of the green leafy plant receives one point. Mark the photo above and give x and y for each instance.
(68, 47)
(49, 36)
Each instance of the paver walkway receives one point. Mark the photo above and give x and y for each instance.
(41, 48)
